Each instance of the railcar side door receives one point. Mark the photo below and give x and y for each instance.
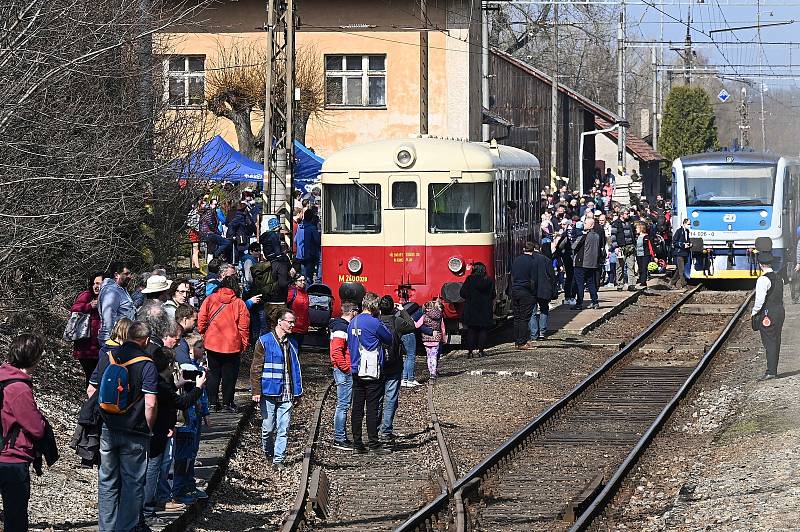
(405, 232)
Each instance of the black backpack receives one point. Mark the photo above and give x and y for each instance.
(11, 437)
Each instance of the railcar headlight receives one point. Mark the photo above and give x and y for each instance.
(354, 265)
(764, 214)
(455, 264)
(695, 214)
(405, 157)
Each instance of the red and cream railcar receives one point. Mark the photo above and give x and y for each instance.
(410, 217)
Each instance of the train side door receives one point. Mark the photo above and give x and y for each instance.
(405, 232)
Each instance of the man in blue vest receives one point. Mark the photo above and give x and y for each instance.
(277, 386)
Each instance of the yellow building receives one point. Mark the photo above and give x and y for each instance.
(371, 56)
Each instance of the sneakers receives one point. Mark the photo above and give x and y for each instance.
(344, 445)
(199, 494)
(594, 306)
(184, 500)
(278, 466)
(576, 307)
(379, 450)
(359, 448)
(155, 522)
(767, 377)
(413, 384)
(541, 336)
(570, 301)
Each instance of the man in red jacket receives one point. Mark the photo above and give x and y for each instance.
(22, 425)
(340, 358)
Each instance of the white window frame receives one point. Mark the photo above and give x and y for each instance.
(185, 76)
(365, 74)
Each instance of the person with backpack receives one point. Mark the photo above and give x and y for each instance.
(126, 383)
(399, 323)
(271, 239)
(366, 336)
(297, 301)
(277, 386)
(224, 322)
(308, 243)
(22, 425)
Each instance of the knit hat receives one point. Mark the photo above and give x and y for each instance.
(273, 224)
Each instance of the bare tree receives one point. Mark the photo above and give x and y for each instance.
(236, 89)
(86, 148)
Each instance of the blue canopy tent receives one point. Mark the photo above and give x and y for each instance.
(218, 161)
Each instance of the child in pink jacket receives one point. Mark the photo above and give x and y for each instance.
(433, 317)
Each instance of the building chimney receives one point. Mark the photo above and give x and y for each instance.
(645, 123)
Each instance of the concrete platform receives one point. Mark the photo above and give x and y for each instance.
(567, 322)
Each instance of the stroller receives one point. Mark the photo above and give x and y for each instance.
(320, 305)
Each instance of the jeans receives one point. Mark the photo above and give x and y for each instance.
(121, 479)
(679, 278)
(222, 243)
(391, 394)
(365, 392)
(585, 278)
(152, 483)
(222, 368)
(184, 452)
(538, 322)
(164, 490)
(409, 342)
(15, 486)
(522, 302)
(275, 418)
(344, 392)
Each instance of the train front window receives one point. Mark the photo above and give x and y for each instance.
(352, 208)
(460, 208)
(729, 185)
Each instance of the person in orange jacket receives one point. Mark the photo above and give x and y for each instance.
(224, 322)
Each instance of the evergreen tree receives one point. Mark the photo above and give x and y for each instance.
(688, 124)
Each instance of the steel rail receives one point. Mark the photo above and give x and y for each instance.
(449, 465)
(297, 514)
(598, 504)
(424, 517)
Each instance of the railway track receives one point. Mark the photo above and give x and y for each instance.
(341, 491)
(560, 470)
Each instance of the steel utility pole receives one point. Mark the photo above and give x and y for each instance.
(423, 68)
(744, 121)
(485, 67)
(761, 81)
(279, 109)
(621, 88)
(687, 53)
(554, 101)
(654, 111)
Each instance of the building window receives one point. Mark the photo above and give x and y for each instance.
(355, 80)
(185, 80)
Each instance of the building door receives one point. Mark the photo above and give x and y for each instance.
(405, 232)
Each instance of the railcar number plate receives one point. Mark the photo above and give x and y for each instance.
(702, 234)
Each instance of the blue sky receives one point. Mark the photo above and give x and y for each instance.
(643, 23)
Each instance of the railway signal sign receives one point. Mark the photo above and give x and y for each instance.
(723, 96)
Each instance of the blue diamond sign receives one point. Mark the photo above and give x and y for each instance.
(723, 96)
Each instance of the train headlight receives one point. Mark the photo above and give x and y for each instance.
(354, 265)
(695, 214)
(764, 214)
(455, 264)
(405, 157)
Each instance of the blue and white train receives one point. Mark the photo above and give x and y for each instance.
(737, 202)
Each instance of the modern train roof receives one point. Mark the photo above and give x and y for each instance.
(431, 154)
(731, 157)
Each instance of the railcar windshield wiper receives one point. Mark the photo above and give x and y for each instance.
(357, 183)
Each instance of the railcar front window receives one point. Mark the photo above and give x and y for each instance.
(729, 185)
(460, 208)
(352, 208)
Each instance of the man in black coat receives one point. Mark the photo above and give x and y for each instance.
(680, 247)
(587, 251)
(523, 273)
(543, 281)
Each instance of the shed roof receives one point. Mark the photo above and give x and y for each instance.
(638, 147)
